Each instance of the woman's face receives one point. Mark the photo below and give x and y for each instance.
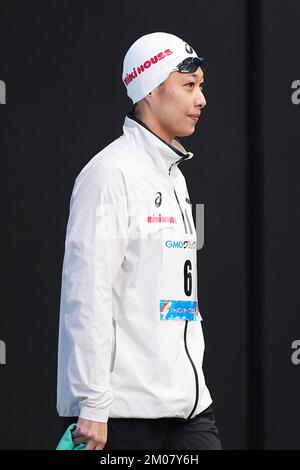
(174, 102)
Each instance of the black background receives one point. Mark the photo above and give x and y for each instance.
(62, 64)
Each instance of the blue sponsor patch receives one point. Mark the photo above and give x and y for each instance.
(179, 310)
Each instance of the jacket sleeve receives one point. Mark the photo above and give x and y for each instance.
(96, 241)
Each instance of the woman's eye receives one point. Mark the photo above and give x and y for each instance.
(193, 83)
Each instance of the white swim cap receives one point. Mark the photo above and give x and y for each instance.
(150, 60)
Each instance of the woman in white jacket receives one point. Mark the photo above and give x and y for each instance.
(130, 337)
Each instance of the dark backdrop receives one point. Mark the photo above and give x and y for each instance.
(62, 64)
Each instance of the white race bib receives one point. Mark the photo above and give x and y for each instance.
(178, 294)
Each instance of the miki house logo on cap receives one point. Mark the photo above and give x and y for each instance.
(141, 68)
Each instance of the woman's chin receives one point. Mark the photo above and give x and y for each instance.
(187, 132)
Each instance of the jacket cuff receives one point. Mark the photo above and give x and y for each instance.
(94, 414)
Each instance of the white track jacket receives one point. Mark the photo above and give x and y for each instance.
(130, 333)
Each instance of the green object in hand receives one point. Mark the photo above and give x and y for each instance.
(66, 442)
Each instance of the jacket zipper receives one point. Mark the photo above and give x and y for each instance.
(194, 369)
(184, 223)
(185, 334)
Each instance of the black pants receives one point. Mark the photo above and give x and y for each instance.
(198, 433)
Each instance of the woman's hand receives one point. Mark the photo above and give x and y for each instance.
(91, 433)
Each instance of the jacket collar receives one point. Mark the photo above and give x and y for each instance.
(164, 155)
